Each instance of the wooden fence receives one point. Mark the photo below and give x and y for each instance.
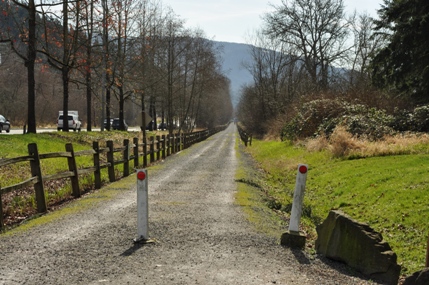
(245, 137)
(138, 153)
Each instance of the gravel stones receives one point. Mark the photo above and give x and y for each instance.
(202, 237)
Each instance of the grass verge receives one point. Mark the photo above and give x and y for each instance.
(19, 205)
(388, 192)
(87, 201)
(252, 199)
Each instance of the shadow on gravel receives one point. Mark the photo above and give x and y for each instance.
(335, 265)
(131, 250)
(343, 268)
(300, 256)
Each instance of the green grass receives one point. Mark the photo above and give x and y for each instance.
(17, 145)
(105, 194)
(21, 204)
(253, 204)
(389, 192)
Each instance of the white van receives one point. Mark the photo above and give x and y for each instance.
(73, 119)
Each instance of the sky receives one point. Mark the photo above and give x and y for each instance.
(236, 20)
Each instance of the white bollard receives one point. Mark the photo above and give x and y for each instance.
(142, 206)
(298, 198)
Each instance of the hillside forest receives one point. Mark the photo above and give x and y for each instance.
(315, 69)
(107, 59)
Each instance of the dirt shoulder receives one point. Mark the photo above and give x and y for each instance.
(202, 236)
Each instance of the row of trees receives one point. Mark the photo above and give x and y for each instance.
(129, 57)
(310, 49)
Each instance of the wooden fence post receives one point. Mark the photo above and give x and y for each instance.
(163, 146)
(144, 151)
(73, 167)
(158, 148)
(168, 144)
(173, 143)
(189, 140)
(111, 160)
(152, 149)
(97, 172)
(36, 171)
(126, 156)
(185, 141)
(136, 152)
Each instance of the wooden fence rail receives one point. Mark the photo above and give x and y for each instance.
(156, 148)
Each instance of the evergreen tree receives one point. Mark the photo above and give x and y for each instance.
(403, 64)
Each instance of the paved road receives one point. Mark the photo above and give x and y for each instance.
(202, 237)
(45, 130)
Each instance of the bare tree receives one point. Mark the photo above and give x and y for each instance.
(87, 38)
(317, 31)
(174, 50)
(124, 15)
(201, 79)
(149, 76)
(107, 65)
(277, 74)
(62, 44)
(24, 44)
(214, 105)
(366, 43)
(279, 78)
(134, 50)
(13, 85)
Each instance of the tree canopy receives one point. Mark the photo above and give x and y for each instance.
(403, 64)
(124, 56)
(316, 30)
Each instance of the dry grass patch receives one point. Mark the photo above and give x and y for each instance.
(342, 144)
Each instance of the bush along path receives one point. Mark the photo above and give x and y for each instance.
(201, 236)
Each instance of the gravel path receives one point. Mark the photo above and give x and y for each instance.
(201, 236)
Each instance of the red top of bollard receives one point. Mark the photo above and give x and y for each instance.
(141, 175)
(303, 169)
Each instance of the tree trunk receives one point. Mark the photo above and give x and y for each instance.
(65, 77)
(30, 62)
(88, 80)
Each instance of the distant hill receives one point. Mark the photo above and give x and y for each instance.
(233, 57)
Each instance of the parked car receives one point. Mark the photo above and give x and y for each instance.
(150, 126)
(105, 123)
(162, 126)
(4, 124)
(116, 126)
(73, 121)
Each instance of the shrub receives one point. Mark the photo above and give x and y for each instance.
(372, 124)
(416, 120)
(323, 116)
(310, 116)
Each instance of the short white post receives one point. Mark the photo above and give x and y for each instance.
(142, 206)
(298, 198)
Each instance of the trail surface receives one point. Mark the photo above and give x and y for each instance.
(202, 237)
